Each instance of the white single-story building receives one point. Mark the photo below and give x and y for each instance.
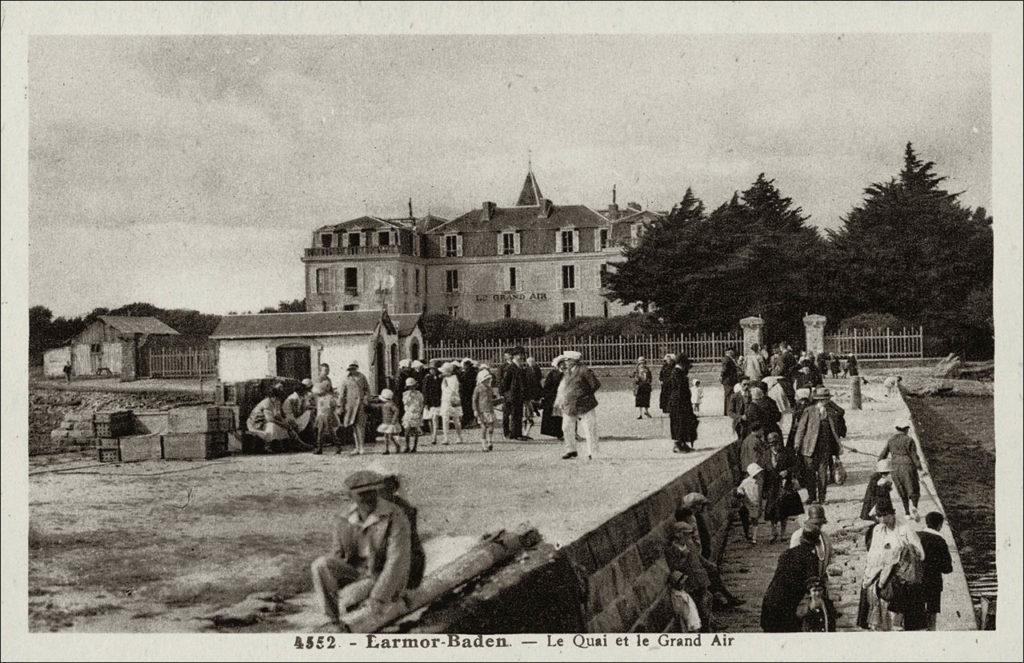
(295, 344)
(109, 346)
(410, 335)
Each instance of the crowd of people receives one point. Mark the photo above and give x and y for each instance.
(442, 400)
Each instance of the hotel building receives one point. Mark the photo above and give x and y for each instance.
(535, 260)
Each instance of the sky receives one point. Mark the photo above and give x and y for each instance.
(190, 171)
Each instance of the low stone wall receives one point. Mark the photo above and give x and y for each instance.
(613, 579)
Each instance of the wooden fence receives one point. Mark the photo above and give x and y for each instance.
(877, 343)
(596, 350)
(178, 362)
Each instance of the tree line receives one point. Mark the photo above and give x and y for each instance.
(908, 254)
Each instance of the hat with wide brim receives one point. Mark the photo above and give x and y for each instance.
(903, 427)
(483, 375)
(353, 364)
(387, 394)
(417, 363)
(754, 469)
(364, 481)
(410, 382)
(557, 361)
(572, 355)
(816, 514)
(821, 394)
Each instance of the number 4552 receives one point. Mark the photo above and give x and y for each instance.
(319, 642)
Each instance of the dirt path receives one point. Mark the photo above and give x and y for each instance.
(153, 546)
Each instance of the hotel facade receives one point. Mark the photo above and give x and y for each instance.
(534, 260)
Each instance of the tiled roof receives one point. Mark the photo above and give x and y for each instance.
(276, 325)
(405, 322)
(143, 324)
(526, 218)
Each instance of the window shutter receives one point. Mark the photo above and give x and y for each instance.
(501, 243)
(558, 241)
(575, 241)
(597, 239)
(458, 245)
(518, 241)
(508, 279)
(332, 280)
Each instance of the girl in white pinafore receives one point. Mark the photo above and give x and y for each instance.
(451, 403)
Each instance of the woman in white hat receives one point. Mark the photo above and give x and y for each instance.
(451, 403)
(642, 379)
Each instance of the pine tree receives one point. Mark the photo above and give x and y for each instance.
(912, 250)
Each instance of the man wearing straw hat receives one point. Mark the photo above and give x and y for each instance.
(372, 553)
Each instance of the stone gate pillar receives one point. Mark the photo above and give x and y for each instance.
(751, 331)
(814, 333)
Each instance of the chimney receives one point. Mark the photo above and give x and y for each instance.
(547, 208)
(487, 211)
(410, 209)
(613, 209)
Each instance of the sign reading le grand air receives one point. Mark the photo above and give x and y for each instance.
(513, 296)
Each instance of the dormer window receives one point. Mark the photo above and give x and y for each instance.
(602, 239)
(509, 243)
(326, 240)
(355, 239)
(453, 246)
(384, 238)
(567, 240)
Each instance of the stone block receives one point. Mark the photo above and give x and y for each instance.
(622, 530)
(629, 610)
(662, 505)
(606, 622)
(642, 515)
(601, 547)
(601, 590)
(629, 565)
(579, 555)
(660, 614)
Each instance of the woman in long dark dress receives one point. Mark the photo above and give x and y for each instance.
(551, 421)
(663, 376)
(642, 389)
(683, 423)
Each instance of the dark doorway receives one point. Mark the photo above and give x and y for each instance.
(293, 362)
(380, 366)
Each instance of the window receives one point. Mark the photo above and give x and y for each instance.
(453, 311)
(417, 280)
(96, 348)
(568, 277)
(567, 237)
(508, 310)
(350, 307)
(602, 239)
(323, 282)
(508, 244)
(351, 281)
(513, 281)
(405, 280)
(605, 304)
(326, 239)
(452, 246)
(354, 239)
(568, 311)
(384, 238)
(601, 275)
(451, 280)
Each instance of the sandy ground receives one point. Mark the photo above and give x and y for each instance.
(154, 546)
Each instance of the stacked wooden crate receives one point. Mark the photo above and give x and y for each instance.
(109, 426)
(198, 432)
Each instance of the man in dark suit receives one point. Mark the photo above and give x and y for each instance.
(936, 562)
(499, 380)
(513, 390)
(818, 440)
(729, 377)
